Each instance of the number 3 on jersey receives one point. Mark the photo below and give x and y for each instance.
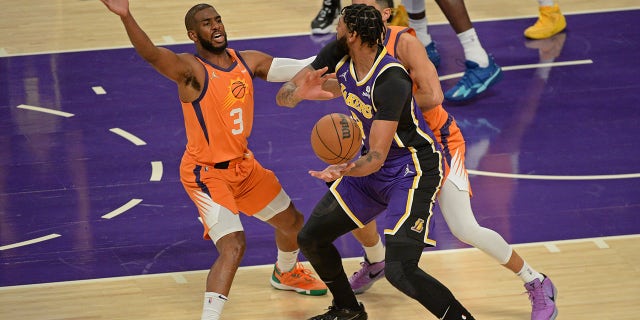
(237, 121)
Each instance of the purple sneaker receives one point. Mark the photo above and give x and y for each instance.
(365, 277)
(543, 299)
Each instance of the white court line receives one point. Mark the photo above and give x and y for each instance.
(600, 243)
(168, 39)
(179, 278)
(156, 171)
(99, 90)
(132, 203)
(28, 242)
(3, 52)
(270, 266)
(551, 177)
(527, 66)
(46, 110)
(551, 247)
(135, 140)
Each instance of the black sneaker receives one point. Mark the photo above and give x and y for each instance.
(326, 19)
(335, 313)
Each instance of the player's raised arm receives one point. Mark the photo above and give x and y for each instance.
(168, 63)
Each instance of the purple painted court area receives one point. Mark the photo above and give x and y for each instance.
(61, 175)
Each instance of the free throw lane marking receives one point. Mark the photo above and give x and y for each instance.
(28, 242)
(46, 110)
(156, 171)
(132, 203)
(135, 140)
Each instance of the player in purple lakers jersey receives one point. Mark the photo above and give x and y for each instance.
(454, 196)
(399, 173)
(218, 171)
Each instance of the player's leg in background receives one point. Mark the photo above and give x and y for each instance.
(481, 70)
(418, 21)
(327, 17)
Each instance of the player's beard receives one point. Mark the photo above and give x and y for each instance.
(342, 45)
(208, 45)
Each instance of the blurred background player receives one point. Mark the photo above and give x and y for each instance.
(481, 71)
(550, 21)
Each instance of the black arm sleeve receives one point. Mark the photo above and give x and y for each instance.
(392, 94)
(329, 56)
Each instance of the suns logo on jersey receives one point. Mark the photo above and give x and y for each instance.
(237, 91)
(418, 226)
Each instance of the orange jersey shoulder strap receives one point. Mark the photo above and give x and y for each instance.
(392, 35)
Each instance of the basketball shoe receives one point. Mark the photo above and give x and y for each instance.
(299, 279)
(542, 295)
(474, 81)
(550, 21)
(336, 313)
(364, 278)
(433, 54)
(326, 19)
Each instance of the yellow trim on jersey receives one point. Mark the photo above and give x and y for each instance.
(343, 204)
(352, 70)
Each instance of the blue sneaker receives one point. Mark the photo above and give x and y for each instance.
(433, 54)
(474, 81)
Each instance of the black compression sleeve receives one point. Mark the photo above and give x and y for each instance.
(392, 93)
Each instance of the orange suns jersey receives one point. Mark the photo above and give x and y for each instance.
(219, 122)
(392, 35)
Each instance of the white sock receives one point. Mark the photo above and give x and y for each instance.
(213, 304)
(527, 274)
(376, 253)
(421, 28)
(545, 3)
(287, 260)
(473, 50)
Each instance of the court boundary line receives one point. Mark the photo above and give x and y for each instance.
(181, 274)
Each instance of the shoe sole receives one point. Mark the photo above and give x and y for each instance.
(280, 286)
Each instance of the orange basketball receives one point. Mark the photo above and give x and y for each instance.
(336, 138)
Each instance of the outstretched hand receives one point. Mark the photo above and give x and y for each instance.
(310, 87)
(332, 172)
(119, 7)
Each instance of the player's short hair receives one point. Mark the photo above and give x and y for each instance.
(189, 18)
(366, 21)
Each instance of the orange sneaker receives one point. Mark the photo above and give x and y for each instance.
(299, 279)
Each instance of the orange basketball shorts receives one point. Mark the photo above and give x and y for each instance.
(244, 186)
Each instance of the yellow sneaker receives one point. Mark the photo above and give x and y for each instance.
(400, 17)
(550, 22)
(299, 279)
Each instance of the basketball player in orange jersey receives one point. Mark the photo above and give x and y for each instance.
(454, 197)
(217, 170)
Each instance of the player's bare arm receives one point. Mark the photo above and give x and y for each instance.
(179, 68)
(412, 55)
(380, 138)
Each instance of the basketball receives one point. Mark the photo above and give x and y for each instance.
(336, 138)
